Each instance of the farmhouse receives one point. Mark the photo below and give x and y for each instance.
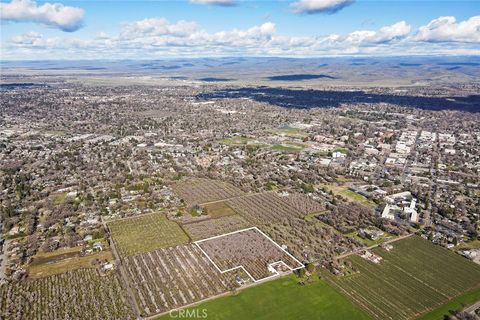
(368, 255)
(371, 234)
(97, 246)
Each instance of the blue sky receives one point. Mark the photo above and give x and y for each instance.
(74, 34)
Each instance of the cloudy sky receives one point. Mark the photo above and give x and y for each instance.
(123, 29)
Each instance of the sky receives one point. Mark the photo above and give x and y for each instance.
(125, 29)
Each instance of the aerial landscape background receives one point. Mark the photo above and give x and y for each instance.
(235, 159)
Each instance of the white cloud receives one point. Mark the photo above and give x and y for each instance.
(158, 27)
(222, 3)
(54, 15)
(395, 31)
(446, 29)
(157, 38)
(29, 38)
(385, 34)
(320, 6)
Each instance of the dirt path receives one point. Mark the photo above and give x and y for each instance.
(374, 246)
(3, 264)
(242, 196)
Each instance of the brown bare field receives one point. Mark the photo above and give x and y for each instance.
(42, 268)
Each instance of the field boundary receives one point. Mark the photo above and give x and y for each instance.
(245, 195)
(270, 266)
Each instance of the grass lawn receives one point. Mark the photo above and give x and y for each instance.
(59, 198)
(458, 303)
(146, 233)
(341, 150)
(243, 141)
(367, 242)
(475, 244)
(349, 194)
(282, 299)
(288, 146)
(218, 209)
(357, 197)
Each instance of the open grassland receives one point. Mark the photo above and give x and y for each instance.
(218, 209)
(282, 299)
(349, 194)
(196, 191)
(79, 294)
(47, 267)
(146, 233)
(414, 278)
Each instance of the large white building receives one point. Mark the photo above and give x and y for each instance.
(398, 203)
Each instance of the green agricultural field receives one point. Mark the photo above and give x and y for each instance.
(281, 299)
(416, 277)
(456, 304)
(146, 233)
